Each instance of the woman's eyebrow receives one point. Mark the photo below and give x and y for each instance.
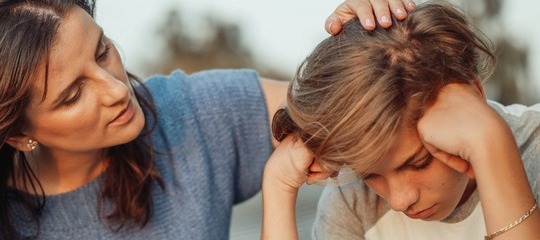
(64, 93)
(98, 42)
(66, 90)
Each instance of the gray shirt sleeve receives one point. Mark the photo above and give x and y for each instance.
(347, 211)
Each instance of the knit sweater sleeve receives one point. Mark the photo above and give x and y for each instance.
(216, 125)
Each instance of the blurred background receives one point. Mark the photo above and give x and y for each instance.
(273, 37)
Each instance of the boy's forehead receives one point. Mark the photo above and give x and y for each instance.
(404, 147)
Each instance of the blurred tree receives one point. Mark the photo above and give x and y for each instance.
(219, 47)
(511, 81)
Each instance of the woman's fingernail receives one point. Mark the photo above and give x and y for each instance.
(385, 19)
(400, 11)
(369, 23)
(330, 26)
(411, 4)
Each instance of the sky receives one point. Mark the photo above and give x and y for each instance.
(278, 36)
(280, 33)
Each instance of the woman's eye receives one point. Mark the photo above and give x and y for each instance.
(425, 162)
(103, 55)
(72, 98)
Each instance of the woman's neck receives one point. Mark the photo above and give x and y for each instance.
(61, 172)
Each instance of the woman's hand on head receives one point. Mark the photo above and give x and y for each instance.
(370, 12)
(455, 128)
(292, 164)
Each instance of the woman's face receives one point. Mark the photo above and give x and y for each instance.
(89, 103)
(415, 183)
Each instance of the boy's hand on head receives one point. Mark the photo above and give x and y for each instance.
(458, 124)
(370, 12)
(292, 165)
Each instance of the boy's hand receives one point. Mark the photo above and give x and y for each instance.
(460, 125)
(292, 164)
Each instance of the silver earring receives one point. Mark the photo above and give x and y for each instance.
(32, 144)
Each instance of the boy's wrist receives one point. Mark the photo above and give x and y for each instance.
(273, 182)
(497, 136)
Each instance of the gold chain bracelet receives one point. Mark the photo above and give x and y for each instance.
(512, 225)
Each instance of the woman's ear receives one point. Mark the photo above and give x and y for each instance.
(22, 142)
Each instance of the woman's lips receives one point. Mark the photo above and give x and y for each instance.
(124, 116)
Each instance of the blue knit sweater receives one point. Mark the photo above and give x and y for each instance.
(213, 128)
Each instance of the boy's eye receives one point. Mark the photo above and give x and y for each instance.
(368, 176)
(423, 163)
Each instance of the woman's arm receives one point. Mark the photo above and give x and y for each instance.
(462, 130)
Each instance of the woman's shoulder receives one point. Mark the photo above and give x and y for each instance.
(200, 80)
(210, 88)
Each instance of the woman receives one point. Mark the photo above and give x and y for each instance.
(405, 111)
(89, 152)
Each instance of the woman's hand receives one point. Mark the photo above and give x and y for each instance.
(367, 11)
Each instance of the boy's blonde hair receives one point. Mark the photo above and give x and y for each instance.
(356, 89)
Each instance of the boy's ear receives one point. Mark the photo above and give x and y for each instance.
(477, 84)
(22, 142)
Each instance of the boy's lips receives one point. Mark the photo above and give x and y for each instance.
(422, 214)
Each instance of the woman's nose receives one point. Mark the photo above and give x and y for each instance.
(114, 90)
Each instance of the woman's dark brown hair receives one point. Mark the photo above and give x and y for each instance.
(356, 89)
(27, 31)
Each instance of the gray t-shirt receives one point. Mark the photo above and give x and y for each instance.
(353, 211)
(213, 133)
